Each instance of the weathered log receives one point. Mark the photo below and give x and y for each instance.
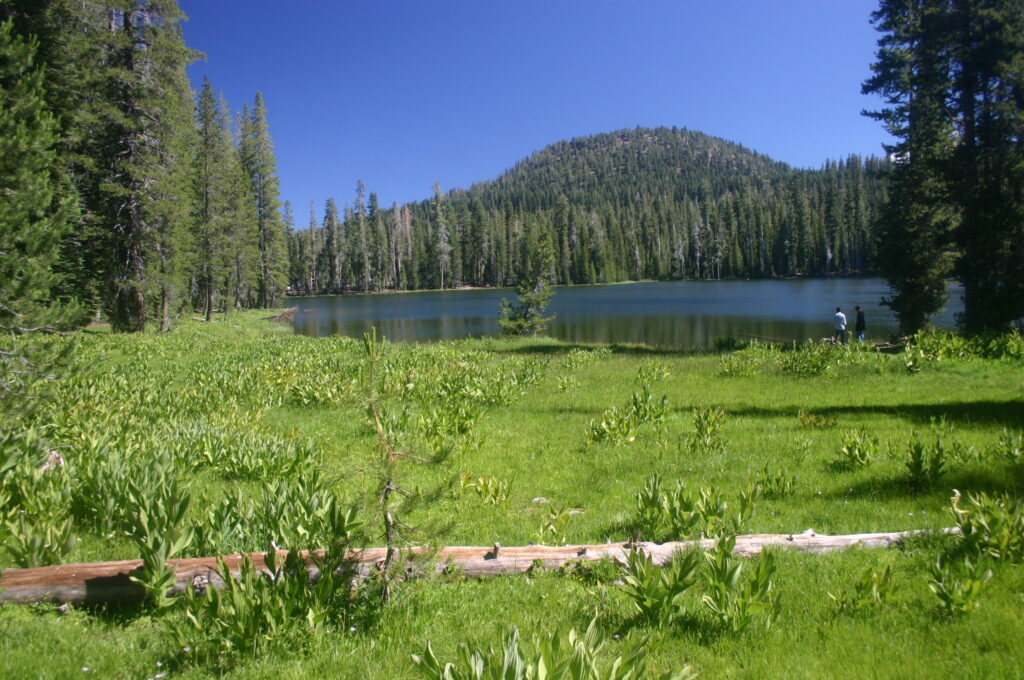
(109, 582)
(286, 316)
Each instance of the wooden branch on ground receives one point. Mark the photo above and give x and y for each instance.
(287, 316)
(108, 582)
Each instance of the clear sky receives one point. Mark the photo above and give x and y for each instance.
(405, 93)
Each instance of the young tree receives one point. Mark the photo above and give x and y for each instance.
(533, 292)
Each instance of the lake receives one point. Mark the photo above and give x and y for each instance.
(683, 314)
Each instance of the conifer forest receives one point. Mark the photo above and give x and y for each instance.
(191, 488)
(150, 201)
(165, 201)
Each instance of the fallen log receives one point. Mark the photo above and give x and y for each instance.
(287, 316)
(109, 582)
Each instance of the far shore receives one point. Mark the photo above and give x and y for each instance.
(852, 275)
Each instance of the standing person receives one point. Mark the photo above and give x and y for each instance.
(859, 325)
(839, 324)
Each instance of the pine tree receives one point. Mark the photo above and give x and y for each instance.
(219, 199)
(442, 243)
(241, 260)
(258, 160)
(914, 236)
(145, 57)
(951, 72)
(33, 215)
(987, 100)
(533, 293)
(359, 256)
(72, 51)
(171, 206)
(328, 261)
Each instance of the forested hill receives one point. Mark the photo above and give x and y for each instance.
(613, 167)
(634, 204)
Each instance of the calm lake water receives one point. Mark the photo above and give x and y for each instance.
(683, 314)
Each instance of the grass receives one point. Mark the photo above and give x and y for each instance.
(242, 375)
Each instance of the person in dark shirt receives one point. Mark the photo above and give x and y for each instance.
(859, 324)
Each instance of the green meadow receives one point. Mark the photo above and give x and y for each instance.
(237, 435)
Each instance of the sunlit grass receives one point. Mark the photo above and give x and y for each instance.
(240, 375)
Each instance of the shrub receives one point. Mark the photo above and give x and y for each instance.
(683, 513)
(37, 544)
(958, 584)
(706, 439)
(553, 529)
(871, 589)
(262, 609)
(622, 425)
(990, 527)
(814, 421)
(737, 603)
(775, 485)
(1010, 447)
(859, 449)
(657, 592)
(552, 657)
(925, 464)
(810, 360)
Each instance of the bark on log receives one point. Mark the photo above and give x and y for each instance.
(287, 316)
(109, 582)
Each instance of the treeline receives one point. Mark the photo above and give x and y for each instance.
(952, 76)
(148, 201)
(635, 204)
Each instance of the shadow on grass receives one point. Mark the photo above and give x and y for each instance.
(973, 481)
(989, 412)
(556, 348)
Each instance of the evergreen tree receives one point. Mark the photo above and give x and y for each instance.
(915, 228)
(662, 204)
(442, 243)
(356, 224)
(72, 51)
(241, 261)
(217, 201)
(533, 294)
(33, 215)
(987, 100)
(328, 262)
(145, 57)
(171, 207)
(951, 71)
(258, 160)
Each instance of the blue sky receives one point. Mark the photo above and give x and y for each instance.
(405, 93)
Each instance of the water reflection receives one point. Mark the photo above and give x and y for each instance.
(682, 314)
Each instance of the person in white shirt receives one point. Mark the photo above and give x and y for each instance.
(839, 324)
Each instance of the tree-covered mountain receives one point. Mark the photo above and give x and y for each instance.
(633, 204)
